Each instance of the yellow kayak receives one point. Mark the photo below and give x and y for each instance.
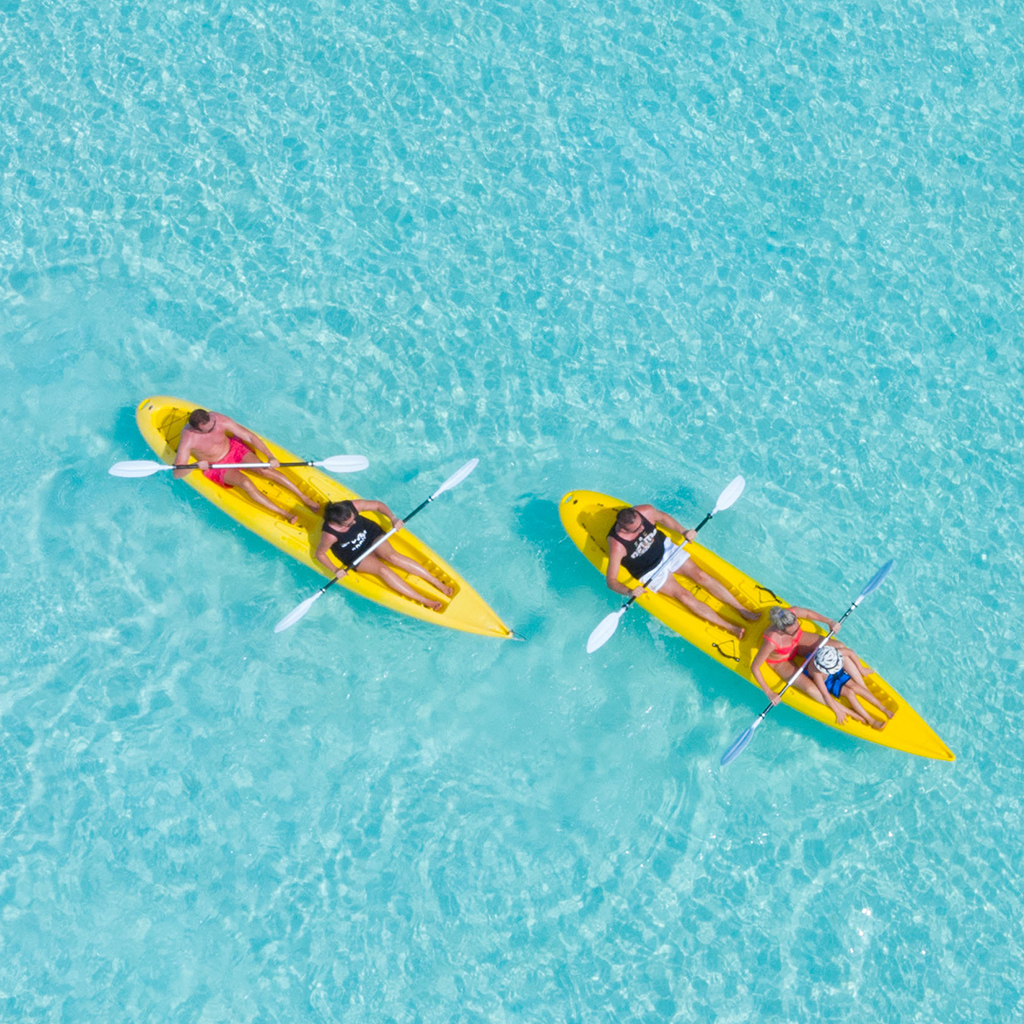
(588, 517)
(161, 419)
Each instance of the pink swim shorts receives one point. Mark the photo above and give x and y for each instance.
(236, 453)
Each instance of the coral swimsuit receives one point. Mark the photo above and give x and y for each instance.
(784, 652)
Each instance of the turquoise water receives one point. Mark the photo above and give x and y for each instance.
(637, 247)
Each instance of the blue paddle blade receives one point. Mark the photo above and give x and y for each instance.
(738, 747)
(876, 580)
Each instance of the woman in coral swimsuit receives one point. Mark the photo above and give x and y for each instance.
(785, 646)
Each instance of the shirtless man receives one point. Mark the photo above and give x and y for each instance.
(347, 534)
(636, 543)
(212, 437)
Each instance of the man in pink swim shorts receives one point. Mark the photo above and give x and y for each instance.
(212, 437)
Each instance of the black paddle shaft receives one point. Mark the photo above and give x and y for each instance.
(704, 522)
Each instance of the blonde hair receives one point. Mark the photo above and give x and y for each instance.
(781, 618)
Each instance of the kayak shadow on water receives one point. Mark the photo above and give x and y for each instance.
(539, 532)
(126, 437)
(540, 529)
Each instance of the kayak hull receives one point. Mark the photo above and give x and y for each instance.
(587, 517)
(160, 419)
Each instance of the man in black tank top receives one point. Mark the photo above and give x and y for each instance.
(346, 534)
(637, 545)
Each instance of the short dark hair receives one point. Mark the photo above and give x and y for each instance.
(339, 512)
(627, 517)
(199, 419)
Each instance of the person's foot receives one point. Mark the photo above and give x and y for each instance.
(445, 589)
(313, 506)
(737, 631)
(876, 724)
(434, 606)
(749, 615)
(294, 520)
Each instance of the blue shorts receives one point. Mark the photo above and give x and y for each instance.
(835, 682)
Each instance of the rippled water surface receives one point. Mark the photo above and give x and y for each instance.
(634, 247)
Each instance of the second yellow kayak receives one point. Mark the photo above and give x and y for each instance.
(588, 516)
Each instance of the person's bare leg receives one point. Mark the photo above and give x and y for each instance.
(279, 478)
(673, 589)
(373, 565)
(844, 650)
(238, 479)
(388, 554)
(852, 666)
(850, 693)
(713, 586)
(803, 682)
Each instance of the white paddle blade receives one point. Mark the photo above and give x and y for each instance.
(730, 494)
(344, 463)
(604, 630)
(297, 613)
(456, 478)
(136, 468)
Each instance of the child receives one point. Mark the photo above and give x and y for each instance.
(836, 673)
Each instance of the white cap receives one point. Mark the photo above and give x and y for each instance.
(828, 659)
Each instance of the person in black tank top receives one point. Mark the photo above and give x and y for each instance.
(351, 541)
(643, 551)
(637, 545)
(347, 535)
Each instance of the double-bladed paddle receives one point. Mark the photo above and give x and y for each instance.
(138, 468)
(607, 626)
(300, 610)
(748, 734)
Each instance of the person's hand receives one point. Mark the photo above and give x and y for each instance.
(398, 524)
(841, 714)
(774, 697)
(203, 465)
(273, 462)
(340, 574)
(637, 591)
(834, 625)
(690, 534)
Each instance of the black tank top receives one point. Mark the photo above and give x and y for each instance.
(644, 551)
(348, 546)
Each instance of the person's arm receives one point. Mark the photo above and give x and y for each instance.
(809, 613)
(362, 505)
(755, 670)
(181, 456)
(321, 556)
(655, 515)
(248, 438)
(616, 552)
